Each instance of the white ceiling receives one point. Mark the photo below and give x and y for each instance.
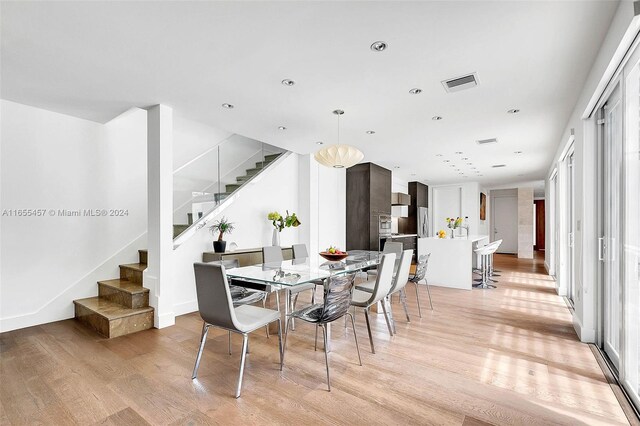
(97, 59)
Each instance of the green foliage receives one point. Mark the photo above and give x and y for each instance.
(280, 222)
(222, 226)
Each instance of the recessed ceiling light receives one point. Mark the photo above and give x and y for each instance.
(371, 132)
(378, 46)
(513, 111)
(469, 164)
(282, 128)
(319, 143)
(461, 173)
(479, 175)
(447, 161)
(465, 158)
(465, 177)
(473, 168)
(459, 153)
(288, 82)
(227, 106)
(396, 167)
(497, 166)
(415, 91)
(438, 155)
(436, 118)
(413, 174)
(517, 152)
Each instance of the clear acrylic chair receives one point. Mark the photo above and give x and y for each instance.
(420, 275)
(337, 299)
(216, 309)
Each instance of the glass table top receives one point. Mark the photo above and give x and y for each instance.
(301, 271)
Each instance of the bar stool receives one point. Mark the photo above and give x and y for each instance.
(491, 270)
(486, 253)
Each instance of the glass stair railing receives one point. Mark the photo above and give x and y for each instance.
(201, 185)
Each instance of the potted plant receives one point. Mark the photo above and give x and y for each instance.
(279, 223)
(221, 226)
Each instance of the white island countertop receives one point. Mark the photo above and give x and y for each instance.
(452, 259)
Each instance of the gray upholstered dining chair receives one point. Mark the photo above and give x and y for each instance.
(242, 295)
(399, 282)
(273, 254)
(216, 309)
(421, 274)
(363, 299)
(389, 247)
(337, 300)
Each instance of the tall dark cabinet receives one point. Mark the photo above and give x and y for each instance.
(419, 194)
(368, 197)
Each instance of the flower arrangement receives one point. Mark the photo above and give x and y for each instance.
(456, 223)
(279, 222)
(442, 233)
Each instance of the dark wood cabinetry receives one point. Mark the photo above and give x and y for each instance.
(368, 197)
(419, 194)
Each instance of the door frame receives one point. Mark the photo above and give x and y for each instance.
(508, 193)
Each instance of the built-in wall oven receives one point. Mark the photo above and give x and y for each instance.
(384, 226)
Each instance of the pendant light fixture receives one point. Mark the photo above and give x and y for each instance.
(339, 156)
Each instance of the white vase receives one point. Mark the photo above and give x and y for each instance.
(275, 240)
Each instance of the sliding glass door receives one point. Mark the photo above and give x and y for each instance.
(630, 163)
(570, 205)
(610, 241)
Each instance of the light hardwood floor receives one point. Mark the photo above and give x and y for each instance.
(503, 356)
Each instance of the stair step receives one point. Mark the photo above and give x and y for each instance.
(221, 196)
(124, 292)
(142, 256)
(232, 187)
(112, 319)
(242, 179)
(253, 172)
(263, 164)
(179, 229)
(133, 272)
(271, 157)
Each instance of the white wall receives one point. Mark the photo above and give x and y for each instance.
(470, 206)
(55, 161)
(584, 140)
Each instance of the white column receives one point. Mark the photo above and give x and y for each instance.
(158, 276)
(308, 200)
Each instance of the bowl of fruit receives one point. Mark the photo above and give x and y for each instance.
(333, 254)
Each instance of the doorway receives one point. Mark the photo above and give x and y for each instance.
(504, 220)
(539, 215)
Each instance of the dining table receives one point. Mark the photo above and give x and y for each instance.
(287, 274)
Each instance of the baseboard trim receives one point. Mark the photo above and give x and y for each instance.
(185, 308)
(585, 335)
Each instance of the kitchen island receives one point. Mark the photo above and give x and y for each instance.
(452, 259)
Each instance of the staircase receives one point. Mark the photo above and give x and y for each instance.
(122, 305)
(228, 190)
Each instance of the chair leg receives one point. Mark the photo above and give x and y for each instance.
(203, 340)
(315, 343)
(429, 293)
(284, 345)
(326, 355)
(355, 336)
(418, 299)
(389, 320)
(366, 317)
(229, 343)
(280, 340)
(245, 344)
(403, 299)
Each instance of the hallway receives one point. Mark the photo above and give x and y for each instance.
(503, 356)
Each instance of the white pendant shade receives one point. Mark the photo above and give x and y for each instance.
(339, 156)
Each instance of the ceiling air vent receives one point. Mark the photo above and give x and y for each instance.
(497, 166)
(460, 83)
(487, 141)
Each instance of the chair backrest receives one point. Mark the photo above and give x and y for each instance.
(421, 268)
(272, 254)
(300, 251)
(402, 274)
(384, 279)
(337, 297)
(393, 247)
(214, 299)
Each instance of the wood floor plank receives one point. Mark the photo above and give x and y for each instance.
(504, 356)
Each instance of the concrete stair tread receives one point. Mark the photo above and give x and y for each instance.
(135, 266)
(110, 310)
(125, 285)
